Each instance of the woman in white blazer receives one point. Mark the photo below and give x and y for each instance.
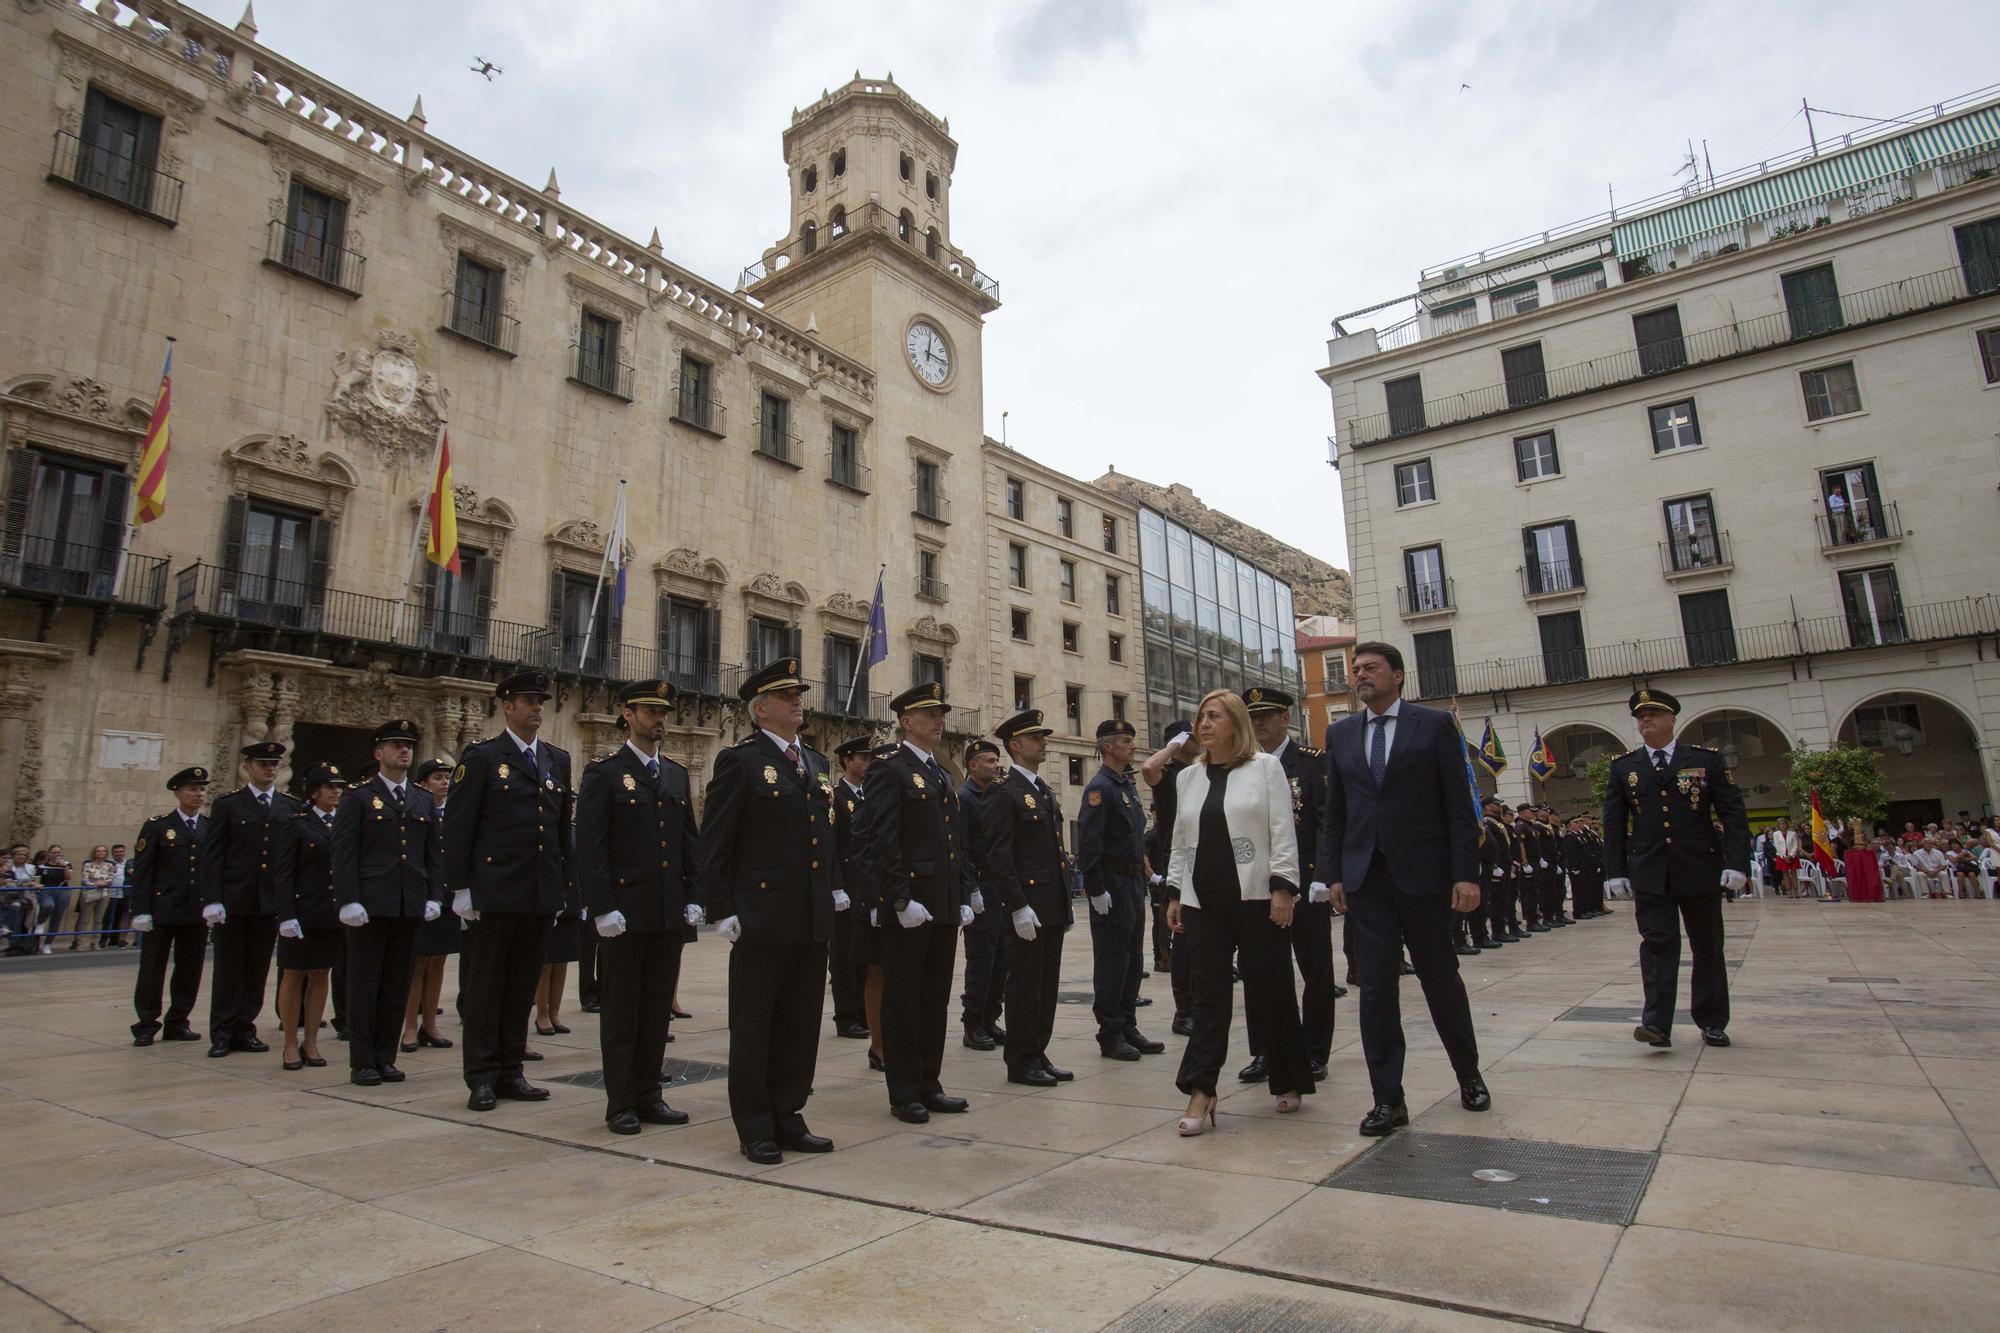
(1233, 877)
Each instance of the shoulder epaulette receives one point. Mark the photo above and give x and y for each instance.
(1703, 749)
(885, 752)
(751, 739)
(1309, 750)
(1637, 749)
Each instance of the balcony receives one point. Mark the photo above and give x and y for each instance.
(780, 446)
(1561, 578)
(866, 220)
(698, 411)
(480, 323)
(1895, 300)
(848, 472)
(125, 181)
(834, 701)
(931, 589)
(1862, 525)
(1426, 599)
(930, 504)
(1687, 553)
(604, 369)
(318, 258)
(59, 574)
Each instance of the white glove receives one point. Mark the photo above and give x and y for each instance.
(694, 915)
(611, 925)
(215, 914)
(354, 914)
(875, 916)
(143, 922)
(1317, 892)
(1734, 880)
(978, 902)
(461, 903)
(1101, 904)
(1545, 865)
(1624, 884)
(1025, 922)
(290, 929)
(730, 929)
(964, 916)
(1159, 880)
(1182, 741)
(433, 909)
(916, 914)
(841, 902)
(1499, 872)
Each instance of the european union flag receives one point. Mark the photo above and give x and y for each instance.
(878, 627)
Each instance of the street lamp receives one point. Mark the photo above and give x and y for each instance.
(1730, 757)
(1906, 740)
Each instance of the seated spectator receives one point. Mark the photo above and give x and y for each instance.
(20, 898)
(1901, 872)
(93, 882)
(1930, 865)
(1911, 837)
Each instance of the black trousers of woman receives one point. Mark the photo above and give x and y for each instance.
(1211, 936)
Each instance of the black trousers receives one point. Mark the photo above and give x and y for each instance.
(243, 945)
(380, 957)
(188, 945)
(916, 1006)
(1180, 973)
(776, 995)
(1493, 894)
(849, 977)
(464, 966)
(338, 989)
(1312, 948)
(589, 988)
(1557, 895)
(1388, 921)
(503, 963)
(1034, 972)
(986, 952)
(1243, 930)
(1118, 956)
(1661, 920)
(636, 975)
(1163, 935)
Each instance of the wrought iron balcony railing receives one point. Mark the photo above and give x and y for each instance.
(134, 183)
(931, 589)
(699, 410)
(75, 571)
(848, 471)
(480, 322)
(321, 258)
(1692, 552)
(1426, 599)
(605, 370)
(1859, 523)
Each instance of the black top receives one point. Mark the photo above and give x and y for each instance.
(1214, 856)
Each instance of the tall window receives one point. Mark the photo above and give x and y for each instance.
(573, 594)
(1024, 692)
(1812, 301)
(694, 397)
(315, 238)
(1413, 483)
(457, 606)
(475, 303)
(1110, 534)
(845, 457)
(1691, 537)
(1989, 354)
(1527, 381)
(1874, 607)
(930, 495)
(926, 669)
(1333, 667)
(1406, 404)
(1979, 254)
(1068, 568)
(1073, 708)
(1115, 647)
(278, 556)
(1017, 565)
(774, 426)
(65, 523)
(1535, 456)
(1070, 630)
(1658, 333)
(1831, 391)
(843, 661)
(1674, 426)
(1553, 563)
(769, 640)
(1017, 499)
(809, 237)
(1066, 516)
(597, 362)
(1563, 655)
(930, 586)
(1112, 605)
(1437, 669)
(1017, 623)
(120, 145)
(1853, 502)
(691, 645)
(1118, 708)
(1423, 568)
(1710, 634)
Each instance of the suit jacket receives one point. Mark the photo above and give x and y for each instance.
(1421, 818)
(305, 871)
(508, 833)
(1305, 768)
(847, 807)
(638, 851)
(1664, 837)
(166, 870)
(238, 852)
(912, 833)
(972, 807)
(768, 853)
(1024, 851)
(385, 859)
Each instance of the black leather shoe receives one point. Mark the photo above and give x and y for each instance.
(1252, 1072)
(805, 1143)
(391, 1074)
(911, 1113)
(1715, 1036)
(764, 1152)
(250, 1044)
(1143, 1044)
(1339, 991)
(590, 1007)
(435, 1043)
(407, 1047)
(659, 1113)
(1059, 1075)
(1118, 1050)
(1473, 1096)
(875, 1062)
(623, 1123)
(520, 1090)
(1515, 936)
(1034, 1077)
(977, 1040)
(219, 1048)
(1184, 1026)
(1466, 951)
(995, 1031)
(365, 1077)
(531, 1055)
(1538, 930)
(1491, 944)
(143, 1039)
(1318, 1071)
(1385, 1119)
(1651, 1036)
(852, 1031)
(1142, 1002)
(181, 1034)
(946, 1104)
(481, 1098)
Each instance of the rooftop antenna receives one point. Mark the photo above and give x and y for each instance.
(1690, 167)
(1709, 163)
(1809, 126)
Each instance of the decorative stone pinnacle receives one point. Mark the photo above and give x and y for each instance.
(552, 190)
(417, 113)
(247, 25)
(655, 244)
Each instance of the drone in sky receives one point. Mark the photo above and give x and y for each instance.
(485, 68)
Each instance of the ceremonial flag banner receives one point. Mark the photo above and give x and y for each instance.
(614, 551)
(1822, 844)
(1541, 759)
(878, 627)
(151, 497)
(442, 508)
(1491, 756)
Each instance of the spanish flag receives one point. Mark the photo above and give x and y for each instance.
(151, 496)
(1822, 844)
(441, 547)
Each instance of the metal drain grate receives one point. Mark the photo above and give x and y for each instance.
(678, 1073)
(1555, 1179)
(1867, 981)
(1589, 1013)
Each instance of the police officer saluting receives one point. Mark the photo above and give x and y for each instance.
(1110, 853)
(770, 870)
(1662, 844)
(507, 831)
(1024, 855)
(238, 856)
(166, 910)
(638, 863)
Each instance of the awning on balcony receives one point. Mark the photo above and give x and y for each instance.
(1704, 215)
(1822, 179)
(1953, 139)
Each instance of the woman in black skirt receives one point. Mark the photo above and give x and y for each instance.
(556, 958)
(866, 946)
(310, 938)
(436, 940)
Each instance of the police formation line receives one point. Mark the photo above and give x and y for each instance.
(873, 864)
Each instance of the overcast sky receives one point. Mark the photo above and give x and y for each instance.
(1175, 198)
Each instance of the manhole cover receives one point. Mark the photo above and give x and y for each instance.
(676, 1073)
(1552, 1179)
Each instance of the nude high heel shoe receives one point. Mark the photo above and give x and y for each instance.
(1199, 1124)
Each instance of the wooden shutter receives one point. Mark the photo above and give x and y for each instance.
(710, 649)
(235, 518)
(795, 639)
(1534, 559)
(111, 531)
(558, 631)
(20, 486)
(321, 535)
(1575, 553)
(751, 657)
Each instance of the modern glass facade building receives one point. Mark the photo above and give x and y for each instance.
(1213, 620)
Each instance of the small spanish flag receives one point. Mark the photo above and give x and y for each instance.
(151, 496)
(1822, 844)
(441, 547)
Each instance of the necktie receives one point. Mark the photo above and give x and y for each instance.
(264, 799)
(1378, 748)
(528, 758)
(936, 772)
(653, 769)
(396, 794)
(798, 760)
(1660, 766)
(327, 817)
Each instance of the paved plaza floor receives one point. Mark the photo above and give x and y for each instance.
(1834, 1169)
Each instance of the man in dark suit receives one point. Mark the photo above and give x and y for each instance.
(638, 864)
(507, 862)
(1675, 836)
(1400, 835)
(239, 878)
(1312, 920)
(166, 910)
(771, 872)
(988, 937)
(1024, 854)
(850, 976)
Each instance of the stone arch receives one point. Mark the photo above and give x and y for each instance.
(1759, 760)
(1945, 770)
(1570, 742)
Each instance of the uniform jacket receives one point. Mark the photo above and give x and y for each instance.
(1305, 767)
(638, 851)
(507, 832)
(972, 804)
(1664, 837)
(305, 871)
(238, 852)
(1024, 849)
(1110, 831)
(912, 832)
(769, 858)
(166, 870)
(384, 858)
(1160, 842)
(1496, 853)
(1420, 819)
(847, 807)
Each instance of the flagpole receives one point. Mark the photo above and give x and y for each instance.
(417, 536)
(617, 533)
(867, 641)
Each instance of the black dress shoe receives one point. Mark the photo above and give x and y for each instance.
(675, 1011)
(481, 1098)
(407, 1047)
(995, 1031)
(1651, 1036)
(1473, 1096)
(1383, 1119)
(1034, 1076)
(911, 1113)
(541, 1031)
(1143, 1044)
(1252, 1072)
(764, 1152)
(1339, 991)
(315, 1062)
(1466, 951)
(1142, 1002)
(436, 1043)
(625, 1122)
(852, 1031)
(1715, 1036)
(1118, 1050)
(219, 1048)
(875, 1062)
(391, 1074)
(1059, 1075)
(1183, 1026)
(1318, 1068)
(1492, 944)
(560, 1030)
(181, 1034)
(668, 1037)
(365, 1077)
(1514, 935)
(531, 1055)
(520, 1090)
(659, 1113)
(805, 1143)
(977, 1040)
(1538, 930)
(946, 1104)
(250, 1044)
(143, 1039)
(590, 1008)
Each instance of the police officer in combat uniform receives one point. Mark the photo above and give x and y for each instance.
(1024, 854)
(238, 860)
(166, 910)
(1111, 855)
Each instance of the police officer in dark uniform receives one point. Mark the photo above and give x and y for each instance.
(310, 937)
(237, 873)
(1555, 886)
(988, 938)
(1111, 856)
(772, 874)
(1528, 845)
(507, 832)
(1312, 919)
(850, 973)
(387, 842)
(1024, 854)
(638, 863)
(1162, 770)
(920, 884)
(1496, 871)
(1675, 836)
(166, 910)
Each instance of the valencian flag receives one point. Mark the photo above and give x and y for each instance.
(1541, 759)
(441, 548)
(151, 497)
(1491, 757)
(1822, 844)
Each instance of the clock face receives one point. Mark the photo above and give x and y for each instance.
(930, 357)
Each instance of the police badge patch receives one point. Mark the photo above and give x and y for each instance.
(502, 770)
(630, 785)
(1632, 781)
(1097, 798)
(1028, 801)
(770, 775)
(918, 780)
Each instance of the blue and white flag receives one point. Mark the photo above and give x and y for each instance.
(878, 627)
